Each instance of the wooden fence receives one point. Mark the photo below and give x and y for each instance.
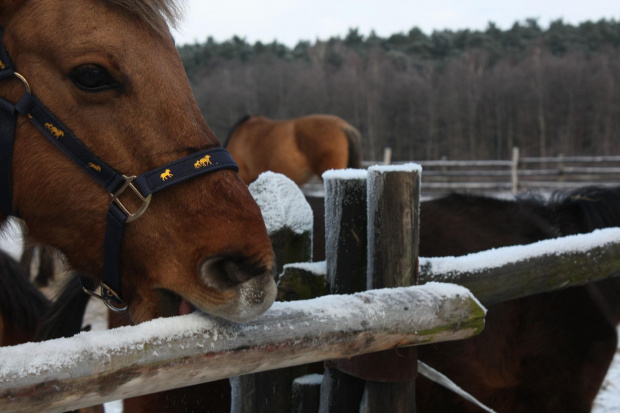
(518, 173)
(371, 242)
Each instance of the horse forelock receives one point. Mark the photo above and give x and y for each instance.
(156, 13)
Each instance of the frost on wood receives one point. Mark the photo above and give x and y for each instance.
(95, 367)
(531, 269)
(407, 167)
(498, 257)
(520, 270)
(342, 174)
(282, 203)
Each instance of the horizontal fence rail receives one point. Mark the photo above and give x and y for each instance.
(162, 354)
(497, 275)
(519, 173)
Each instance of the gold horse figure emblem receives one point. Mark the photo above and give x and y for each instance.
(204, 161)
(54, 130)
(2, 66)
(95, 167)
(166, 175)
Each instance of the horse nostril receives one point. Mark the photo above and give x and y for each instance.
(234, 272)
(222, 273)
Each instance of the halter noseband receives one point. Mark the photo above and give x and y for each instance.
(115, 183)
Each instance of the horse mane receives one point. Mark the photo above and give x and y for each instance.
(66, 315)
(156, 13)
(22, 305)
(235, 126)
(586, 209)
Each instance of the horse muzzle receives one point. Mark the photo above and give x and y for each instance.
(249, 288)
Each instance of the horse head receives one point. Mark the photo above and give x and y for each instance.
(110, 71)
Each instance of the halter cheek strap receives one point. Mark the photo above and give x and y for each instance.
(115, 183)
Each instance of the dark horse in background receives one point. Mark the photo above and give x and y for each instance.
(22, 305)
(544, 353)
(298, 148)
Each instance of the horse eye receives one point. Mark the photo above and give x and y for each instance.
(92, 78)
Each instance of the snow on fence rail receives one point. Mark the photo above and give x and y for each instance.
(95, 367)
(520, 270)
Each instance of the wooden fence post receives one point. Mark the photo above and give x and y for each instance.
(393, 240)
(393, 202)
(307, 393)
(345, 253)
(387, 155)
(515, 167)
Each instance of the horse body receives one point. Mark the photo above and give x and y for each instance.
(201, 242)
(548, 352)
(298, 148)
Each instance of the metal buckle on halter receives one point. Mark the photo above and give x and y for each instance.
(109, 297)
(145, 201)
(24, 81)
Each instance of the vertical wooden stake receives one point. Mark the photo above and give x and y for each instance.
(393, 240)
(515, 168)
(387, 155)
(345, 254)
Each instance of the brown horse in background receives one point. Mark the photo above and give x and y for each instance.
(93, 63)
(298, 148)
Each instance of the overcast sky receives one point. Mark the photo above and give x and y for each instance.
(289, 21)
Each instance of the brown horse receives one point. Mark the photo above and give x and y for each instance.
(93, 64)
(298, 148)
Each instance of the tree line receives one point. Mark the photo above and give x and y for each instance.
(460, 94)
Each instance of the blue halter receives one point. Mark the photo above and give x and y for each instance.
(115, 183)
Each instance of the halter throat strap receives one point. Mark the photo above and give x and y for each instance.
(142, 186)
